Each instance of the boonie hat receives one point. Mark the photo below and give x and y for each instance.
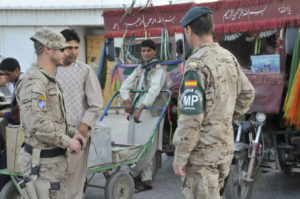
(194, 13)
(50, 38)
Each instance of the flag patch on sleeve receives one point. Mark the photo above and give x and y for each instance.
(42, 101)
(190, 83)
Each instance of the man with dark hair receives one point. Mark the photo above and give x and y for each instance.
(214, 91)
(83, 99)
(93, 59)
(149, 76)
(70, 35)
(11, 70)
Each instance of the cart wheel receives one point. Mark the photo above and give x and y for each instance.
(9, 191)
(119, 185)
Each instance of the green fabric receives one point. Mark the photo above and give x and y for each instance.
(128, 71)
(192, 97)
(294, 65)
(171, 67)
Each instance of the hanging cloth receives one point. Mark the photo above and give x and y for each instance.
(293, 115)
(294, 67)
(102, 68)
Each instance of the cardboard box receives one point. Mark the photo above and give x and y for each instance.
(14, 141)
(100, 148)
(265, 63)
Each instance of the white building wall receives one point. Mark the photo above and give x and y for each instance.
(50, 17)
(15, 42)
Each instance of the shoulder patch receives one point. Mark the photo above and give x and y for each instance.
(192, 64)
(192, 97)
(42, 102)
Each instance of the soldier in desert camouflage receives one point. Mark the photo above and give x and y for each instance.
(214, 91)
(47, 135)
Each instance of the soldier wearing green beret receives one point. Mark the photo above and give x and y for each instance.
(214, 91)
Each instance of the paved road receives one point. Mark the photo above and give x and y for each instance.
(167, 185)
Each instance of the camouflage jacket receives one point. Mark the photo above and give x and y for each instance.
(42, 110)
(214, 90)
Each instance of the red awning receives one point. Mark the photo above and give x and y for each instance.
(229, 16)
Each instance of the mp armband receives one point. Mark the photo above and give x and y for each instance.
(192, 97)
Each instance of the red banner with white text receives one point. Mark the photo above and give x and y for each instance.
(229, 17)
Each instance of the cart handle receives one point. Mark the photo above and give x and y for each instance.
(164, 108)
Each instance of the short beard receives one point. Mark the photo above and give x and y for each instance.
(67, 62)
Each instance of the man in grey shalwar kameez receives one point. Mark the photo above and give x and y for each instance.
(152, 77)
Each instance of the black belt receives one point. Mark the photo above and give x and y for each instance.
(46, 153)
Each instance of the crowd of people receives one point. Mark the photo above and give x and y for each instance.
(58, 101)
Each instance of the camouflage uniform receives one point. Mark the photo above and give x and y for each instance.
(43, 121)
(213, 92)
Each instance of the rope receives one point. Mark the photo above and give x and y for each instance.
(165, 46)
(162, 44)
(171, 126)
(259, 46)
(122, 47)
(102, 59)
(255, 47)
(129, 55)
(144, 24)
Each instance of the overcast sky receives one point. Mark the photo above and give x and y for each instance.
(105, 3)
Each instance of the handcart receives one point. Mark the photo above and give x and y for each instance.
(119, 184)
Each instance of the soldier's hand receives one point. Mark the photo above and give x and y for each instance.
(3, 80)
(128, 106)
(83, 129)
(74, 145)
(81, 140)
(179, 170)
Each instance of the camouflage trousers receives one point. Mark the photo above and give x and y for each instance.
(204, 181)
(52, 170)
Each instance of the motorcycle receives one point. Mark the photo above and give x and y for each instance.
(248, 155)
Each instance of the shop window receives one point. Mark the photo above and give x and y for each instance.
(247, 47)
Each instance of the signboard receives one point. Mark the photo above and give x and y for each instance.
(229, 17)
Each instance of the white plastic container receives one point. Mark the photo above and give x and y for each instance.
(100, 150)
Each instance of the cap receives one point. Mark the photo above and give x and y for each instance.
(194, 13)
(50, 38)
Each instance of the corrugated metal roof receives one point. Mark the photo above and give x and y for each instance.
(59, 4)
(63, 12)
(80, 4)
(52, 17)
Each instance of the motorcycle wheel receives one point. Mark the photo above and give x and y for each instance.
(236, 187)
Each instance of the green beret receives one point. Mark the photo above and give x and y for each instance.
(194, 13)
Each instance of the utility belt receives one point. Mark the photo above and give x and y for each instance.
(45, 153)
(36, 154)
(27, 187)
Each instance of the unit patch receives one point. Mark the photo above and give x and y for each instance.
(42, 101)
(192, 98)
